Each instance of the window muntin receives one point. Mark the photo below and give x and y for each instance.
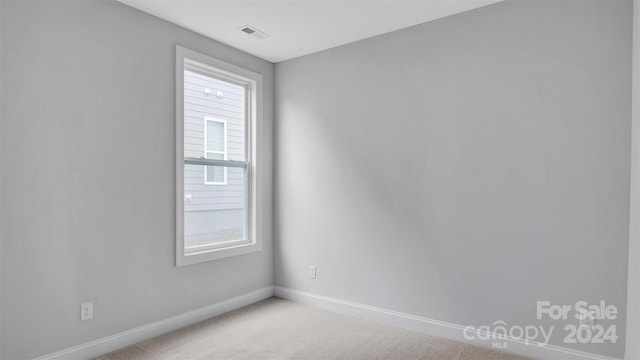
(222, 220)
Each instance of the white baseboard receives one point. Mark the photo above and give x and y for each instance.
(130, 337)
(434, 327)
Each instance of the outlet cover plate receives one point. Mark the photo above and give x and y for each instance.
(86, 311)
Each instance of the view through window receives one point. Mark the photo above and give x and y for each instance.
(215, 161)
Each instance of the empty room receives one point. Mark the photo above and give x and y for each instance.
(320, 180)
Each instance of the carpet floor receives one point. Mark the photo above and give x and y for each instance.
(281, 329)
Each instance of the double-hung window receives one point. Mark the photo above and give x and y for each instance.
(217, 158)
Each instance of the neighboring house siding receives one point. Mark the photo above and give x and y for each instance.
(230, 107)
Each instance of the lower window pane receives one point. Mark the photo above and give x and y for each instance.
(214, 215)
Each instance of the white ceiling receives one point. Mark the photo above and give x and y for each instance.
(299, 27)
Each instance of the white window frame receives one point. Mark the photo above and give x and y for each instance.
(223, 152)
(254, 195)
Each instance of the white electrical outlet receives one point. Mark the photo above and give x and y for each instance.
(312, 272)
(86, 311)
(587, 320)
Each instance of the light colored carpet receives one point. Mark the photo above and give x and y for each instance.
(281, 329)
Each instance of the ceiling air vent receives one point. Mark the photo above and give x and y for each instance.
(250, 30)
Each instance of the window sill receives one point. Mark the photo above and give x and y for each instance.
(214, 254)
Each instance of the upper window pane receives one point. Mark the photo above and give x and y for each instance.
(209, 97)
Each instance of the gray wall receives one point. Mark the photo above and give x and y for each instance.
(633, 297)
(1, 113)
(462, 169)
(88, 189)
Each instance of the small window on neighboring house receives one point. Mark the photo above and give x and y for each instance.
(215, 148)
(218, 173)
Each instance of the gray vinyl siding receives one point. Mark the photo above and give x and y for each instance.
(230, 107)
